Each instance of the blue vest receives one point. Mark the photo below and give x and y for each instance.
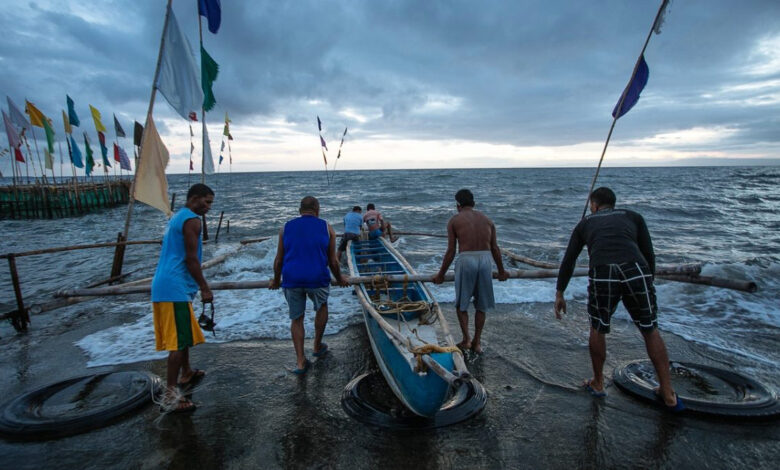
(172, 281)
(305, 262)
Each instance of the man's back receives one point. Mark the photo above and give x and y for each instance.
(373, 219)
(352, 222)
(473, 230)
(305, 242)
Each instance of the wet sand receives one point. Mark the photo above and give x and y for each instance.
(253, 413)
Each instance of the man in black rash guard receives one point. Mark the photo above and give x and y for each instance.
(622, 266)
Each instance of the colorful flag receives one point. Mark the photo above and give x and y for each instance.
(212, 10)
(220, 159)
(222, 149)
(75, 153)
(90, 160)
(633, 89)
(151, 185)
(13, 138)
(96, 117)
(193, 117)
(208, 160)
(72, 116)
(209, 70)
(191, 166)
(178, 78)
(121, 157)
(138, 133)
(226, 130)
(49, 133)
(66, 123)
(322, 141)
(16, 115)
(103, 148)
(36, 116)
(48, 159)
(118, 128)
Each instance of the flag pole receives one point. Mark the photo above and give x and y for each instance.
(619, 108)
(131, 199)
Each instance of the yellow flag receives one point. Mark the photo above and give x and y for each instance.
(96, 117)
(151, 185)
(66, 122)
(36, 116)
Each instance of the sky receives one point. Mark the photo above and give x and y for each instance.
(419, 84)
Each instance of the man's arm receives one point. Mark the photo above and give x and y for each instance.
(576, 242)
(496, 252)
(333, 261)
(449, 255)
(191, 232)
(645, 243)
(276, 281)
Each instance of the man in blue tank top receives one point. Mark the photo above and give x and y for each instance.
(307, 248)
(352, 224)
(176, 281)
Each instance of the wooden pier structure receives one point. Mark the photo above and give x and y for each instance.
(50, 201)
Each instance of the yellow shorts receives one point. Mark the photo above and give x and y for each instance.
(175, 327)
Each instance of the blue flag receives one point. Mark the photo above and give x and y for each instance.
(633, 89)
(72, 116)
(212, 10)
(75, 154)
(220, 159)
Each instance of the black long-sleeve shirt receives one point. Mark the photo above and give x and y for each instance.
(613, 236)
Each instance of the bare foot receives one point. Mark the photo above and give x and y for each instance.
(477, 348)
(464, 345)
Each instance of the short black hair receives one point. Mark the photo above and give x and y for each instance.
(199, 190)
(356, 209)
(309, 203)
(370, 207)
(464, 198)
(603, 196)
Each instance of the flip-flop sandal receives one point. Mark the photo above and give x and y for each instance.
(195, 378)
(678, 407)
(322, 351)
(305, 369)
(595, 393)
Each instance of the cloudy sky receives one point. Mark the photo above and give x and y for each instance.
(421, 84)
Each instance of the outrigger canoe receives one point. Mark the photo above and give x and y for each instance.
(421, 364)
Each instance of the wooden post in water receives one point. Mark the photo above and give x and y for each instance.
(20, 318)
(119, 257)
(216, 237)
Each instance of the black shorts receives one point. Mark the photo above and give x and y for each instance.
(345, 238)
(630, 282)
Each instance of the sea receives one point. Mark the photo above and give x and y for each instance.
(726, 218)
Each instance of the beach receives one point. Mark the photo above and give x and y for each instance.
(253, 413)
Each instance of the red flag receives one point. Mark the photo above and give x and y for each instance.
(193, 116)
(191, 167)
(322, 141)
(18, 154)
(116, 153)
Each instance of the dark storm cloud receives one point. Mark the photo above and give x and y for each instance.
(521, 73)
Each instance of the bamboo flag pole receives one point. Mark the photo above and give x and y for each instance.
(131, 199)
(658, 15)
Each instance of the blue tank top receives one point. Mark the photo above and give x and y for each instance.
(305, 261)
(172, 281)
(352, 222)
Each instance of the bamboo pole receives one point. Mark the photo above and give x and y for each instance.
(735, 284)
(20, 319)
(79, 247)
(420, 234)
(688, 268)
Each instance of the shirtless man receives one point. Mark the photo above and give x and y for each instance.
(475, 236)
(377, 226)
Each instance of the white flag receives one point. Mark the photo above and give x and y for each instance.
(16, 116)
(151, 185)
(178, 80)
(208, 160)
(13, 137)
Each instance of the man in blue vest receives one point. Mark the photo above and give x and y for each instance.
(176, 281)
(306, 249)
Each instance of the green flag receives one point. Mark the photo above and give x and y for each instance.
(49, 159)
(90, 160)
(49, 134)
(208, 74)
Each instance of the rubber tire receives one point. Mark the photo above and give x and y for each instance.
(467, 402)
(19, 421)
(763, 405)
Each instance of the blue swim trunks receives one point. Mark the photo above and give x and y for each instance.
(374, 234)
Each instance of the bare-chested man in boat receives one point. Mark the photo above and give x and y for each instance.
(475, 236)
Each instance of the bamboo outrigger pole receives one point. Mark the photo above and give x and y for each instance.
(619, 108)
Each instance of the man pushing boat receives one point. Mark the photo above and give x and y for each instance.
(475, 236)
(176, 281)
(622, 267)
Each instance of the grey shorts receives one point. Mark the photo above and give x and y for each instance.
(296, 299)
(474, 278)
